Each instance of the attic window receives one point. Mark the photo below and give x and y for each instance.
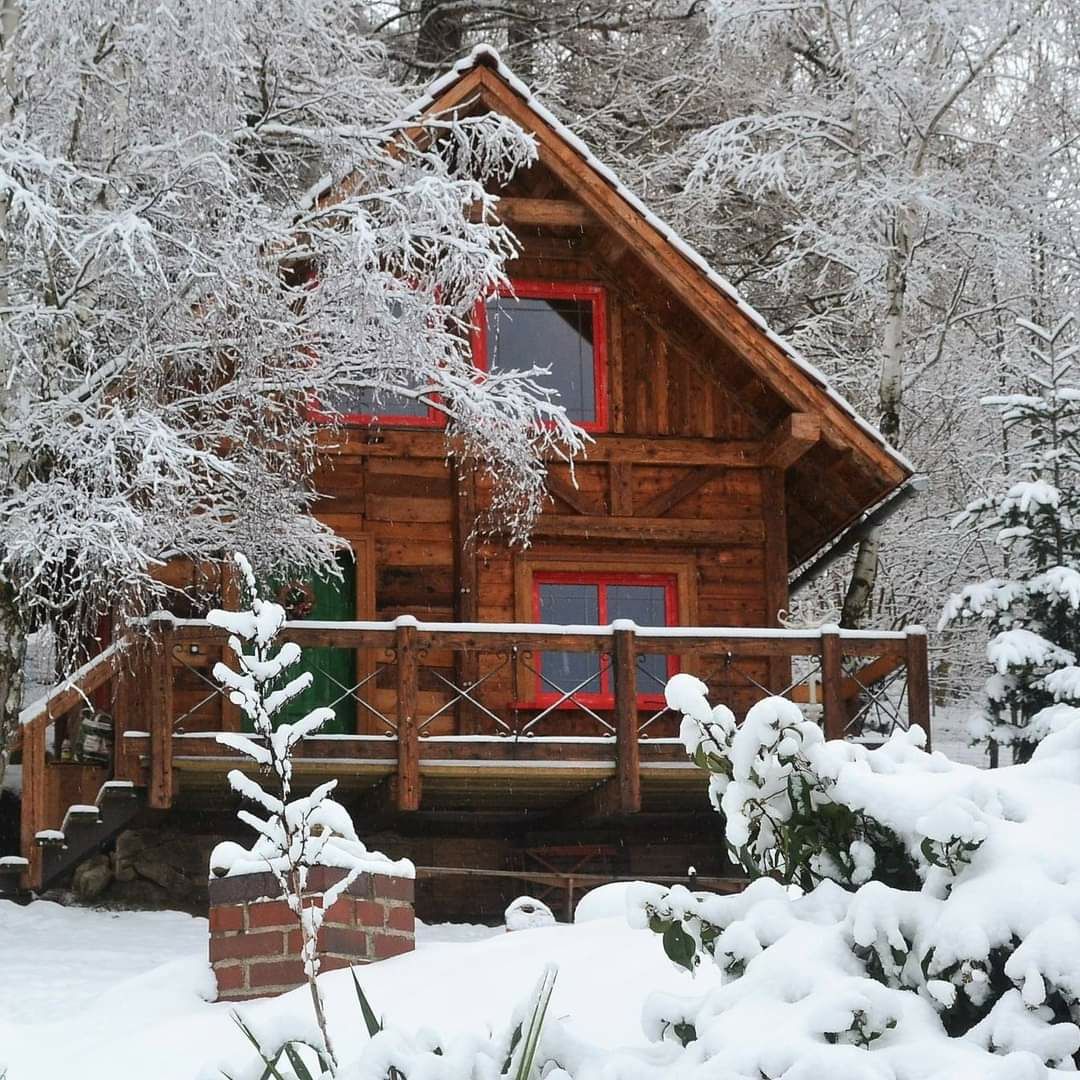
(556, 325)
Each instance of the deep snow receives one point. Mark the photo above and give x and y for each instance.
(118, 995)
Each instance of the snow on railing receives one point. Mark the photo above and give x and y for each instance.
(577, 630)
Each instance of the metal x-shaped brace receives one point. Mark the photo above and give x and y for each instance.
(567, 696)
(466, 695)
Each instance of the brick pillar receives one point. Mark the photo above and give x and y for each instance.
(255, 941)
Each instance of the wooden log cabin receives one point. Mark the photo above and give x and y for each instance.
(501, 708)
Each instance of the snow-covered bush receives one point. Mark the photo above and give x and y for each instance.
(940, 934)
(294, 835)
(1032, 612)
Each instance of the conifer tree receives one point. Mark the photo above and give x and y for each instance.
(1032, 608)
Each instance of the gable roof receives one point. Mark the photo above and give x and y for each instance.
(482, 77)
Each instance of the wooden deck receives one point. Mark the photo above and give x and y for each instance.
(459, 718)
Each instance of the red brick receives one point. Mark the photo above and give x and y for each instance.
(278, 973)
(229, 977)
(401, 918)
(244, 945)
(341, 913)
(370, 913)
(270, 913)
(320, 878)
(387, 945)
(338, 939)
(226, 917)
(336, 963)
(393, 888)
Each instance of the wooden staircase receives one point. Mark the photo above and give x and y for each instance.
(85, 830)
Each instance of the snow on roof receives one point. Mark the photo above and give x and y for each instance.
(488, 56)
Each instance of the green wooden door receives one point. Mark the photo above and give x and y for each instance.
(333, 670)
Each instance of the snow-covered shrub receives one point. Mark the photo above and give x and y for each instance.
(1034, 612)
(940, 937)
(293, 835)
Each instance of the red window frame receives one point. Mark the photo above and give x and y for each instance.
(531, 289)
(605, 698)
(316, 413)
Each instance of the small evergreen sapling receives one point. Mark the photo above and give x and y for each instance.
(1032, 609)
(293, 834)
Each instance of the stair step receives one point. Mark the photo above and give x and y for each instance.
(80, 815)
(13, 864)
(49, 838)
(116, 791)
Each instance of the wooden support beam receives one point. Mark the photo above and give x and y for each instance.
(668, 530)
(34, 801)
(639, 449)
(466, 574)
(408, 736)
(621, 488)
(627, 750)
(918, 680)
(568, 494)
(598, 803)
(692, 481)
(549, 213)
(774, 518)
(160, 794)
(831, 678)
(790, 440)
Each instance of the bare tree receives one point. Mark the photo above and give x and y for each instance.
(203, 236)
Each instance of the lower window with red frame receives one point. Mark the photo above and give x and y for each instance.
(567, 599)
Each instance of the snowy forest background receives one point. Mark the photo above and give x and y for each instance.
(892, 185)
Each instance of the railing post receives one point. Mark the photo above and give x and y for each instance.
(33, 799)
(918, 679)
(163, 633)
(627, 750)
(408, 771)
(831, 675)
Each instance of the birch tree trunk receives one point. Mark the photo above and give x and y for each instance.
(863, 578)
(890, 394)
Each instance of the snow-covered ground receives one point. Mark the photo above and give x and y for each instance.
(949, 725)
(118, 995)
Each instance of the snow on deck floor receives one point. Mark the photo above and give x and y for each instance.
(111, 995)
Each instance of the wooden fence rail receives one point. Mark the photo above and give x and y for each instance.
(139, 679)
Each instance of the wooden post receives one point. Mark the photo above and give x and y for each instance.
(627, 750)
(231, 719)
(408, 770)
(33, 798)
(160, 794)
(774, 517)
(470, 721)
(831, 675)
(918, 680)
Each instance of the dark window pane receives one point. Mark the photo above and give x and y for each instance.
(556, 334)
(378, 404)
(647, 606)
(566, 604)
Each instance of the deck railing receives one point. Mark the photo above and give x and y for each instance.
(418, 683)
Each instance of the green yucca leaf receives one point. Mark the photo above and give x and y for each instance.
(373, 1025)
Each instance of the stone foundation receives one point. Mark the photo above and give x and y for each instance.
(255, 941)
